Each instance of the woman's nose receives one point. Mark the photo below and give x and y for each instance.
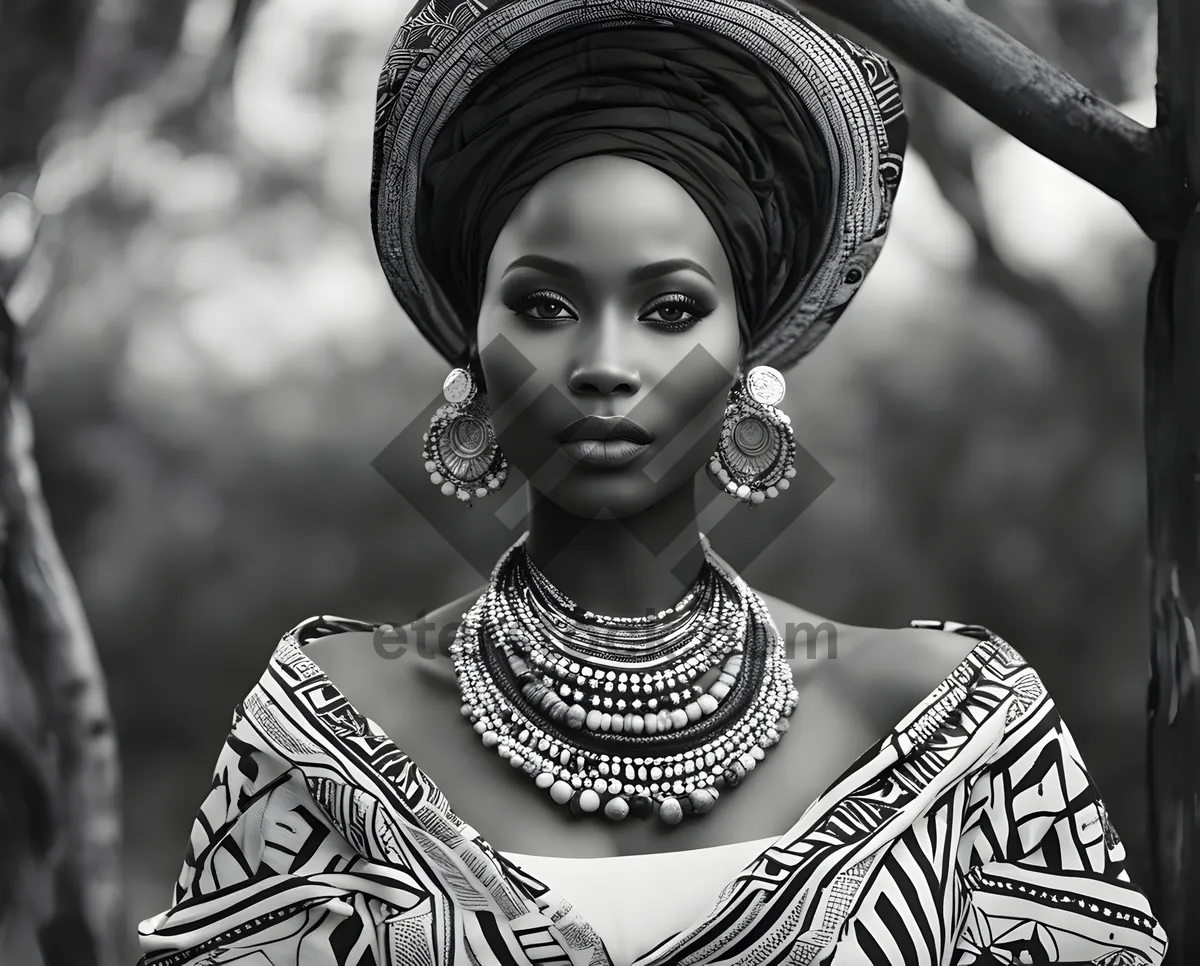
(604, 379)
(604, 369)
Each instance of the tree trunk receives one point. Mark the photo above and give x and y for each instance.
(60, 817)
(52, 636)
(69, 726)
(1155, 174)
(1172, 366)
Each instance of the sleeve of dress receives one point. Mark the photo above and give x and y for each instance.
(267, 879)
(1045, 878)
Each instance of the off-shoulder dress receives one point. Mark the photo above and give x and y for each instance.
(971, 833)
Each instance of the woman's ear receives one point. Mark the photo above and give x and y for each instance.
(474, 365)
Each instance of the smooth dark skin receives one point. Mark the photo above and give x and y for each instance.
(599, 342)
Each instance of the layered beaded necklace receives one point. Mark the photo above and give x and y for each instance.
(607, 714)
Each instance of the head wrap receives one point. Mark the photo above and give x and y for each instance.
(788, 138)
(701, 109)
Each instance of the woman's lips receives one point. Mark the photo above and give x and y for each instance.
(604, 452)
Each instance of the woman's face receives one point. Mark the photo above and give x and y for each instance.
(608, 294)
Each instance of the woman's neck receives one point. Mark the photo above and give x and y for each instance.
(623, 567)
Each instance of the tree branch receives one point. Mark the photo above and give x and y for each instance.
(1035, 101)
(1070, 331)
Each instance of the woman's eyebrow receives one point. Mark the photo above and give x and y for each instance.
(640, 274)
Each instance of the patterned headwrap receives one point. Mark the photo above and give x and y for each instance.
(789, 139)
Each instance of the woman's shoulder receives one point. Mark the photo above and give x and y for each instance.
(899, 670)
(365, 652)
(885, 672)
(916, 652)
(916, 657)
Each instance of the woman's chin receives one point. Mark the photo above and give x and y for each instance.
(603, 495)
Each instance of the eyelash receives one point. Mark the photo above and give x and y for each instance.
(523, 304)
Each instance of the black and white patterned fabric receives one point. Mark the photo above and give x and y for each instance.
(970, 834)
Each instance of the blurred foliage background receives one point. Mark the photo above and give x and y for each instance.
(215, 361)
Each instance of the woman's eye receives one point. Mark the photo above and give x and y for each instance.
(676, 312)
(532, 307)
(672, 313)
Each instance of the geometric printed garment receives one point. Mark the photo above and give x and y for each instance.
(970, 834)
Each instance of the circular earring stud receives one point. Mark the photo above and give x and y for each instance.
(458, 386)
(766, 385)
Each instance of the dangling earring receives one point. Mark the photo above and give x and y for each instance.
(461, 453)
(754, 459)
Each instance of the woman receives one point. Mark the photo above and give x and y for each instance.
(617, 220)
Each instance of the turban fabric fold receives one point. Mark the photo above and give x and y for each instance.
(789, 139)
(700, 109)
